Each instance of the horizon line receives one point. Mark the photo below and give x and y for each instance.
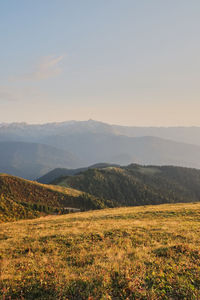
(96, 121)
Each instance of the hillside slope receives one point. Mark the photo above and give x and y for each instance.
(138, 185)
(20, 199)
(149, 252)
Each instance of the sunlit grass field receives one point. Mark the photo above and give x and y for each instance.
(149, 252)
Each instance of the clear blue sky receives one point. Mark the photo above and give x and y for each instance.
(131, 62)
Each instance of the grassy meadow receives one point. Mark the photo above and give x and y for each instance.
(147, 252)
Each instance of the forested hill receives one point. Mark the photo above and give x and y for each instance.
(60, 172)
(138, 185)
(97, 188)
(22, 199)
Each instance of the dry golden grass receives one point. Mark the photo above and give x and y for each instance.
(149, 252)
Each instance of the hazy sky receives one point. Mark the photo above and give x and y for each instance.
(131, 62)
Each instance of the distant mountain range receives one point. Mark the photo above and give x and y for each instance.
(38, 149)
(28, 132)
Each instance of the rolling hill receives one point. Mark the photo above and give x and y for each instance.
(21, 199)
(61, 172)
(96, 188)
(138, 185)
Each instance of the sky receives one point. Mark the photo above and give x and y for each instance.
(127, 62)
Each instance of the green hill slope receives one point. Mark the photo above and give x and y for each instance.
(20, 199)
(138, 185)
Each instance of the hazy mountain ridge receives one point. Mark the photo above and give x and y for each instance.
(190, 135)
(118, 149)
(89, 142)
(28, 160)
(22, 130)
